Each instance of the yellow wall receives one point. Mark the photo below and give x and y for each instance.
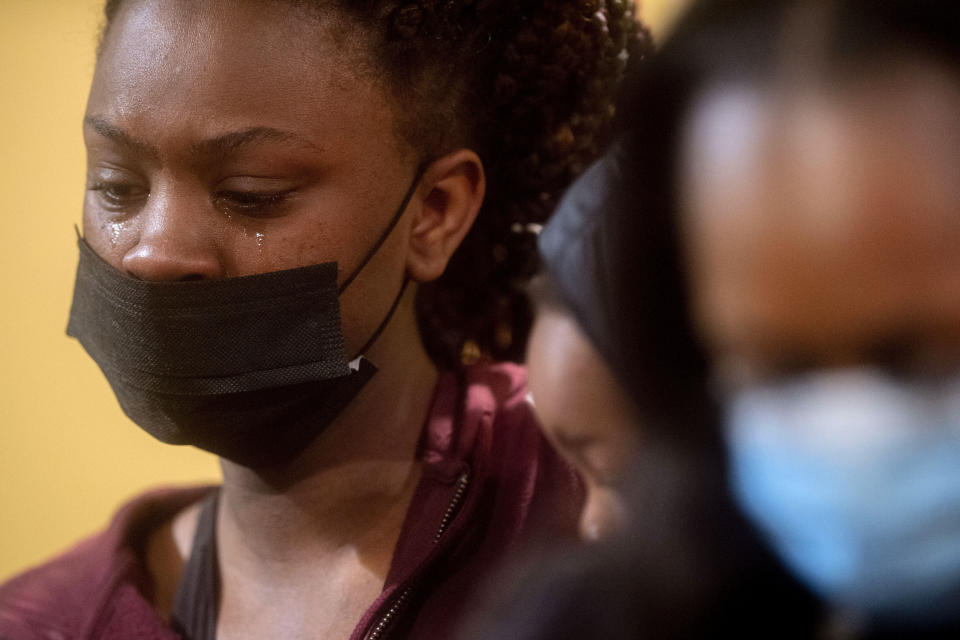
(68, 456)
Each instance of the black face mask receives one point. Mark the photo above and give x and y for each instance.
(250, 368)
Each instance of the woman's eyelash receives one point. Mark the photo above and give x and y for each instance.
(117, 193)
(250, 201)
(252, 198)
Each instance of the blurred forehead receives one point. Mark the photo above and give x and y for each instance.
(816, 215)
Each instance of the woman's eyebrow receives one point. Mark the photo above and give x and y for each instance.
(218, 146)
(234, 141)
(121, 137)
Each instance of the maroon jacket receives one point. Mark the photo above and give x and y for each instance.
(490, 483)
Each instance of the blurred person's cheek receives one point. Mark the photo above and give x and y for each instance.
(604, 514)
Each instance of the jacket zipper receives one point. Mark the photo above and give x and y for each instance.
(462, 482)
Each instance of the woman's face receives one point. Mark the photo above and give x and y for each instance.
(233, 138)
(584, 412)
(823, 226)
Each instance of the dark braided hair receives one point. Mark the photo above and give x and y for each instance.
(529, 85)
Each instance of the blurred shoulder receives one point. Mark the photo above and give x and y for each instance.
(512, 451)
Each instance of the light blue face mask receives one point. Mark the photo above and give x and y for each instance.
(854, 479)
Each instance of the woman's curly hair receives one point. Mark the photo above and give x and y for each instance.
(527, 84)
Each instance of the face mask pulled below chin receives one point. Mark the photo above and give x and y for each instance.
(854, 479)
(251, 368)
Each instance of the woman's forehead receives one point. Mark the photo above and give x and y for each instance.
(260, 39)
(172, 64)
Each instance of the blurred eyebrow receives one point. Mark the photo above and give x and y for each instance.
(120, 136)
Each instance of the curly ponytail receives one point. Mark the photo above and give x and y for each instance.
(530, 86)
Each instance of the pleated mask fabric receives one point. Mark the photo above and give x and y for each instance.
(250, 368)
(235, 366)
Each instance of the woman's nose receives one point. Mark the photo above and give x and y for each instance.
(176, 242)
(603, 514)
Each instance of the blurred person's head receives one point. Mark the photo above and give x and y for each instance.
(788, 256)
(594, 335)
(818, 189)
(583, 410)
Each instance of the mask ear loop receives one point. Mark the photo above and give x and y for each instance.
(386, 319)
(369, 255)
(386, 232)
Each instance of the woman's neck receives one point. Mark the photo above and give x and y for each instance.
(317, 535)
(352, 486)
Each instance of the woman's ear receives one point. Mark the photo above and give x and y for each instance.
(454, 187)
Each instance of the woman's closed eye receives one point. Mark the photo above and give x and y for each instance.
(118, 196)
(253, 196)
(255, 204)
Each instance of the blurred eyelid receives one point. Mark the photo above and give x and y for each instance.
(601, 471)
(588, 451)
(573, 440)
